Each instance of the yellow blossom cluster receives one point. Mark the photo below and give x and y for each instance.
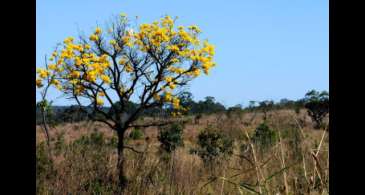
(171, 99)
(43, 73)
(99, 101)
(76, 64)
(185, 44)
(39, 82)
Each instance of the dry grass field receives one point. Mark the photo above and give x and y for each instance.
(82, 159)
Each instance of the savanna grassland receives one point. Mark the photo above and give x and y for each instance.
(239, 153)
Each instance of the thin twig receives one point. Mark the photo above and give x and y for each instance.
(133, 149)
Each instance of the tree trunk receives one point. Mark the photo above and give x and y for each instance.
(120, 166)
(45, 128)
(318, 123)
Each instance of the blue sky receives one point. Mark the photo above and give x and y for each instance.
(268, 49)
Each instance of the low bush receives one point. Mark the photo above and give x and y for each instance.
(214, 144)
(136, 134)
(264, 137)
(171, 137)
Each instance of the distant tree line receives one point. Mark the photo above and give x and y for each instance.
(318, 102)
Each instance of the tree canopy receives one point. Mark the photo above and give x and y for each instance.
(148, 64)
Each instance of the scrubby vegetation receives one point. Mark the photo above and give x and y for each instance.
(69, 114)
(171, 137)
(233, 152)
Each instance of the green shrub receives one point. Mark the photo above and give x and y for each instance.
(317, 105)
(264, 137)
(171, 137)
(136, 134)
(214, 144)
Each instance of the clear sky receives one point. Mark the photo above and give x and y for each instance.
(265, 49)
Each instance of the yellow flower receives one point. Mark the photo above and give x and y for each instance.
(196, 72)
(185, 36)
(172, 86)
(43, 73)
(173, 48)
(167, 21)
(60, 61)
(168, 96)
(156, 97)
(87, 46)
(74, 81)
(39, 83)
(168, 79)
(56, 83)
(195, 28)
(75, 74)
(126, 39)
(208, 65)
(155, 43)
(179, 70)
(78, 61)
(208, 48)
(139, 43)
(102, 94)
(176, 102)
(94, 37)
(113, 42)
(91, 76)
(203, 59)
(128, 68)
(174, 60)
(99, 101)
(98, 31)
(103, 58)
(52, 67)
(86, 61)
(122, 61)
(79, 48)
(79, 89)
(105, 78)
(68, 40)
(105, 64)
(60, 69)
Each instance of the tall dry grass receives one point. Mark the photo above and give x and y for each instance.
(83, 159)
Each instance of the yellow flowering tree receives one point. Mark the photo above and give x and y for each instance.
(149, 63)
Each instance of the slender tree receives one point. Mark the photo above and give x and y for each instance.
(266, 106)
(317, 105)
(147, 64)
